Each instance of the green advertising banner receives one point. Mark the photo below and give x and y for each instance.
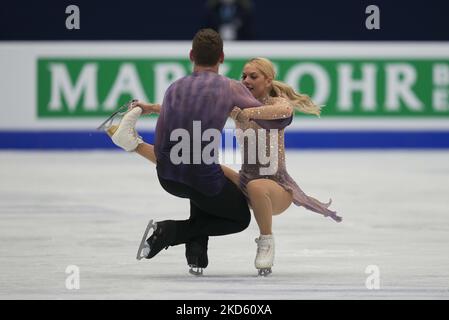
(347, 87)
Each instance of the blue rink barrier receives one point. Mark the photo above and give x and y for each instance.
(65, 140)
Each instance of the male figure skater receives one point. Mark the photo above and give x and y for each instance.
(217, 206)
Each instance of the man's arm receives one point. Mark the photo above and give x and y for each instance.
(242, 97)
(147, 108)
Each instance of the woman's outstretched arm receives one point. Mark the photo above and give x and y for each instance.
(280, 109)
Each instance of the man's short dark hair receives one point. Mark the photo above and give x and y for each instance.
(207, 47)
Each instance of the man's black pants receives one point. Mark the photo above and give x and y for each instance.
(221, 214)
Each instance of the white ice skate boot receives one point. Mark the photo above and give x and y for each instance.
(265, 254)
(125, 135)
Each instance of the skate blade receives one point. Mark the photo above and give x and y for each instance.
(196, 271)
(150, 225)
(111, 130)
(107, 124)
(264, 272)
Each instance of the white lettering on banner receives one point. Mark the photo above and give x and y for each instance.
(441, 74)
(440, 99)
(61, 85)
(400, 79)
(347, 85)
(166, 74)
(127, 81)
(440, 95)
(81, 90)
(319, 75)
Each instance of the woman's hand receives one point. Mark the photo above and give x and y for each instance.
(235, 112)
(239, 115)
(147, 108)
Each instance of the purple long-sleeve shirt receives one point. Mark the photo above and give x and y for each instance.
(202, 96)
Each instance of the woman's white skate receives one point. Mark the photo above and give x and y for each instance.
(265, 255)
(144, 248)
(108, 125)
(124, 134)
(264, 272)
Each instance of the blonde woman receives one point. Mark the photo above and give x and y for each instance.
(269, 193)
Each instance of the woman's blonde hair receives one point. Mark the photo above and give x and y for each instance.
(301, 102)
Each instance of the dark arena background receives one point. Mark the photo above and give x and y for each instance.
(73, 205)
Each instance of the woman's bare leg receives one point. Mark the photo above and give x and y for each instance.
(146, 150)
(266, 196)
(231, 175)
(267, 199)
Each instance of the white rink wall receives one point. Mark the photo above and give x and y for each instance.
(54, 94)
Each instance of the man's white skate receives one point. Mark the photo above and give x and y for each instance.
(265, 255)
(144, 248)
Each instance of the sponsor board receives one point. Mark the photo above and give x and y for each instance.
(380, 89)
(350, 87)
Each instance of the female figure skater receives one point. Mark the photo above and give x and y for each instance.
(268, 193)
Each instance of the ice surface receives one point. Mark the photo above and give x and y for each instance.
(89, 209)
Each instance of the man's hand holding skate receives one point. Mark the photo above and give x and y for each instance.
(147, 108)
